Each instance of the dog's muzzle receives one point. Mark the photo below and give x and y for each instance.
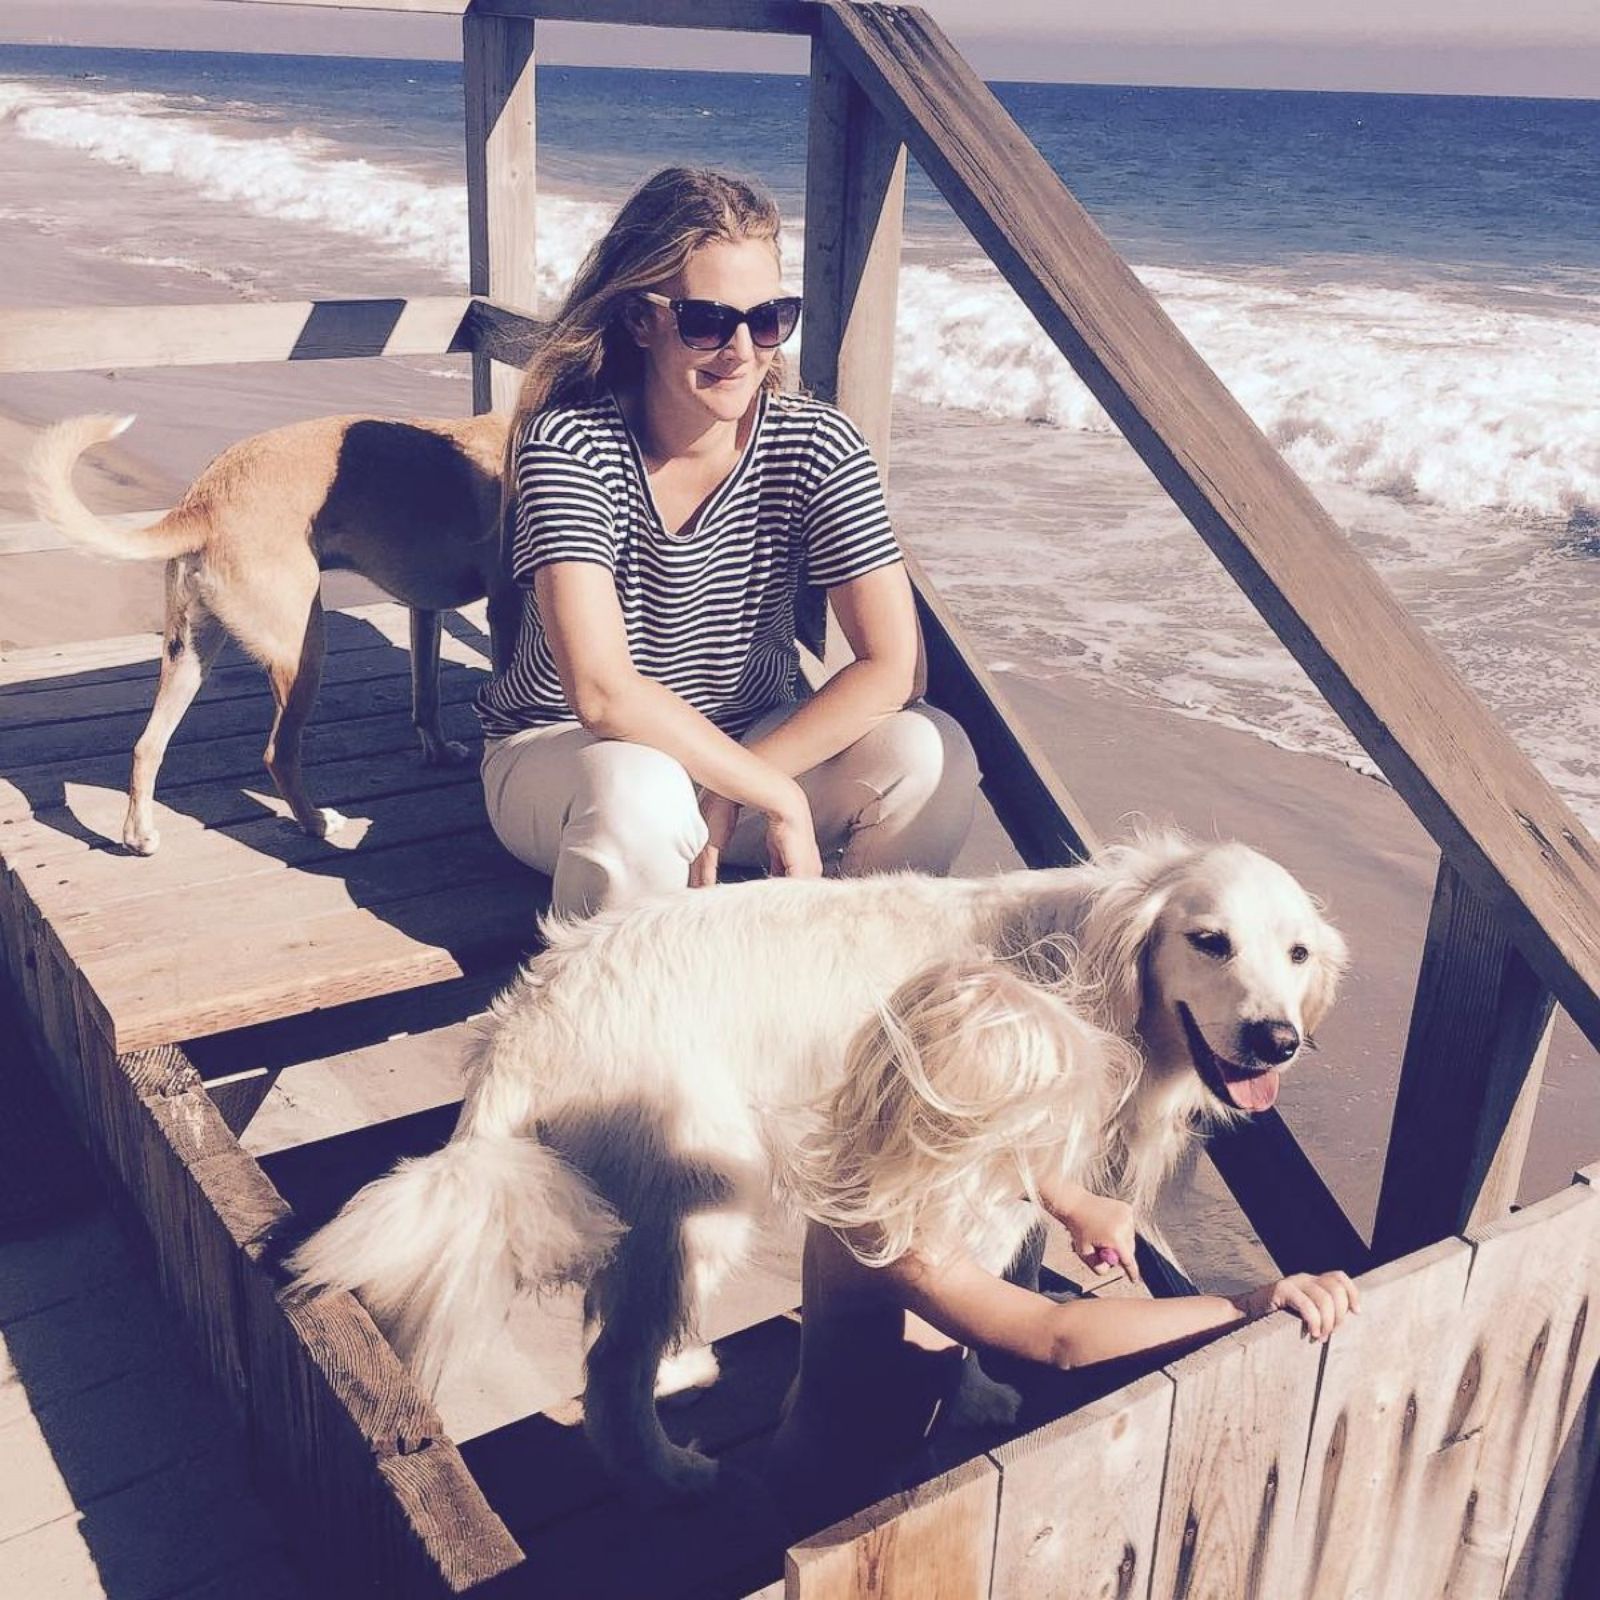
(1241, 1088)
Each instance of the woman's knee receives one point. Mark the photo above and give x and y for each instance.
(633, 827)
(919, 775)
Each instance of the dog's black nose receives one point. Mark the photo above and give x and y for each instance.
(1274, 1042)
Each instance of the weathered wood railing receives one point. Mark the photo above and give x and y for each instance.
(1516, 917)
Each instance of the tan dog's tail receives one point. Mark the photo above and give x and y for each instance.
(50, 467)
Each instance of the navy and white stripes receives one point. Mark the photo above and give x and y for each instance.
(710, 614)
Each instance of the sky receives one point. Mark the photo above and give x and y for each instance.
(1532, 47)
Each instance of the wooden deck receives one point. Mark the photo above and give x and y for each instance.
(414, 890)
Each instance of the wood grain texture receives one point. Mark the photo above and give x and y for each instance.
(502, 184)
(71, 340)
(1480, 1028)
(855, 204)
(1383, 1394)
(934, 1542)
(324, 1401)
(1240, 1420)
(1510, 836)
(1504, 1361)
(1080, 1499)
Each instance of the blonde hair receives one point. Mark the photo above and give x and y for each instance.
(589, 348)
(969, 1088)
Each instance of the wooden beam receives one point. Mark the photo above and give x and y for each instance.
(502, 186)
(1048, 827)
(1480, 1028)
(742, 16)
(1510, 836)
(506, 334)
(105, 337)
(1280, 1191)
(934, 1542)
(855, 203)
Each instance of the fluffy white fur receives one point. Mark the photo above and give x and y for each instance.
(648, 1065)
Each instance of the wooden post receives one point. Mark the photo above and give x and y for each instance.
(1480, 1027)
(498, 73)
(855, 193)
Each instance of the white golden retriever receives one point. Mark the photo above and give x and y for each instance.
(631, 1096)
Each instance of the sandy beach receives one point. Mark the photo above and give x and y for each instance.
(1348, 836)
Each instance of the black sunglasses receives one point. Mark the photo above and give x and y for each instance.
(709, 325)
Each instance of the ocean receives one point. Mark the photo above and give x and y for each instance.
(1403, 291)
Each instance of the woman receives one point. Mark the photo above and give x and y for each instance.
(668, 503)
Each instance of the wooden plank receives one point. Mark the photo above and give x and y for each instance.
(1511, 837)
(211, 719)
(743, 16)
(1240, 1419)
(504, 332)
(502, 186)
(21, 538)
(325, 1402)
(1080, 1499)
(369, 879)
(934, 1542)
(1480, 1029)
(89, 696)
(210, 982)
(74, 885)
(1505, 1364)
(78, 340)
(855, 202)
(1562, 1463)
(1383, 1395)
(1294, 1213)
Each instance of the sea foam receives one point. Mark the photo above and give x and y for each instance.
(1429, 395)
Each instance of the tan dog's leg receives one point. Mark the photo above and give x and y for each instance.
(437, 751)
(294, 688)
(505, 617)
(190, 642)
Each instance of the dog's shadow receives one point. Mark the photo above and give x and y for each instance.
(414, 837)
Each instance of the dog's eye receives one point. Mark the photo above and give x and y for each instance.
(1299, 954)
(1211, 942)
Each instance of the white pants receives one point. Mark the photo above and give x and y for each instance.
(609, 820)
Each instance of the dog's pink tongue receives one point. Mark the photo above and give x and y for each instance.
(1254, 1094)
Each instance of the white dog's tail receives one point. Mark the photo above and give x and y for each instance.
(50, 465)
(439, 1249)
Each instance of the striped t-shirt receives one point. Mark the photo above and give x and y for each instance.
(711, 613)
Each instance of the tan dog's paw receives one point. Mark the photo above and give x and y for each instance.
(438, 751)
(141, 839)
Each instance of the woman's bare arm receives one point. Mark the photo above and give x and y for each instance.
(878, 617)
(588, 639)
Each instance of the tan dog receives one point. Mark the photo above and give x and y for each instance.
(413, 506)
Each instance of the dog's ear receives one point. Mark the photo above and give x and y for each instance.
(1113, 942)
(1328, 965)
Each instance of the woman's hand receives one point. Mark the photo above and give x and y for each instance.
(721, 818)
(1102, 1229)
(791, 838)
(792, 842)
(1321, 1300)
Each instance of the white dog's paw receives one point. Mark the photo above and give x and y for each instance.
(683, 1474)
(326, 822)
(683, 1375)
